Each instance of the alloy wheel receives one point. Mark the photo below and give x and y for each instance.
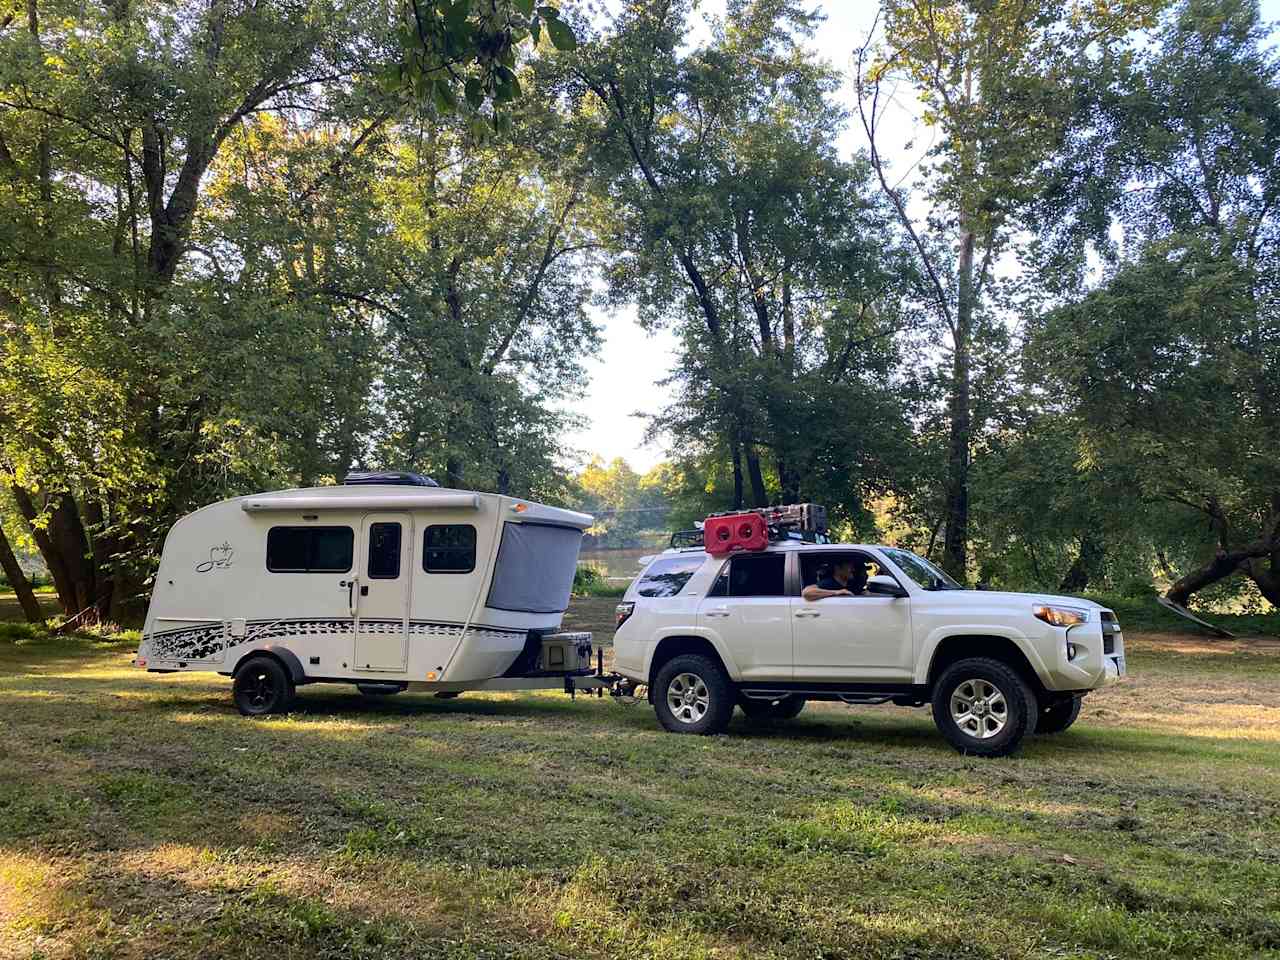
(979, 708)
(688, 697)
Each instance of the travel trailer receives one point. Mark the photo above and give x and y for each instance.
(387, 582)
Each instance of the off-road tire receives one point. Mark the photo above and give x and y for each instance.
(262, 686)
(709, 708)
(784, 708)
(1058, 717)
(1010, 716)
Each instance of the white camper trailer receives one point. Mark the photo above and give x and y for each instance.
(388, 582)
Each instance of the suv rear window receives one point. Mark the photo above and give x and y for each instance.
(761, 575)
(667, 577)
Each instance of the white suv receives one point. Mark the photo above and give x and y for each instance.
(706, 633)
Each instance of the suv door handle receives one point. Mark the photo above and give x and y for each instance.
(722, 612)
(807, 613)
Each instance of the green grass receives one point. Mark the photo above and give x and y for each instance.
(141, 817)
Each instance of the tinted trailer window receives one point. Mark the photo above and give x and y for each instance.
(534, 572)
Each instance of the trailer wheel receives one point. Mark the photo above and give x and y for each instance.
(692, 694)
(262, 686)
(784, 708)
(983, 707)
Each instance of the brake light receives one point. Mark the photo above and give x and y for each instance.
(622, 612)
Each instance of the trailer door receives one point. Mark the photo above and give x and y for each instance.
(382, 592)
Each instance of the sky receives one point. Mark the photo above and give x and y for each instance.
(624, 375)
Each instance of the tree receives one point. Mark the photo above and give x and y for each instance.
(1173, 359)
(738, 223)
(110, 120)
(484, 293)
(994, 81)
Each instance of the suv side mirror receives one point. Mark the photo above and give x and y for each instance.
(883, 586)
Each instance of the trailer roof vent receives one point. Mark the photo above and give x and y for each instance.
(387, 478)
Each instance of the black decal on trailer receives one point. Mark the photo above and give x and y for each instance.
(206, 641)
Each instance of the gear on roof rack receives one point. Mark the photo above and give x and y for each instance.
(755, 528)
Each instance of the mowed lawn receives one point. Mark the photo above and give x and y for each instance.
(140, 816)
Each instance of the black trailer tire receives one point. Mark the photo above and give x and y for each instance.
(693, 694)
(784, 708)
(983, 707)
(1059, 716)
(262, 686)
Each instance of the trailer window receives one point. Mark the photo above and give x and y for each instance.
(384, 551)
(535, 567)
(449, 548)
(667, 577)
(310, 549)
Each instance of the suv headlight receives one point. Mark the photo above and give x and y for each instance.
(1059, 616)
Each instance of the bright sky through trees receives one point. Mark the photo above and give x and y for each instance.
(624, 376)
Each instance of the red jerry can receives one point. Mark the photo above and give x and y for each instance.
(736, 531)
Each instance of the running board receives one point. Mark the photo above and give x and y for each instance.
(849, 693)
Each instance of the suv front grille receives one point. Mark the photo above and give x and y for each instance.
(1110, 630)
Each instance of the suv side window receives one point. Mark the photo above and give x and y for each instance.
(668, 576)
(812, 564)
(759, 575)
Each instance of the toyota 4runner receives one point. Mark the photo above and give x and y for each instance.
(707, 633)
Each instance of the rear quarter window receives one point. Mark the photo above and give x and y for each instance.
(667, 576)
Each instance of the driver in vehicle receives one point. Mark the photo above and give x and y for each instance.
(844, 578)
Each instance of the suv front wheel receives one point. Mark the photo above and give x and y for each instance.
(693, 694)
(983, 707)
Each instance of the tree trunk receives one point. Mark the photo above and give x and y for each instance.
(1267, 581)
(758, 496)
(955, 553)
(49, 552)
(18, 580)
(453, 473)
(1222, 565)
(735, 455)
(1085, 565)
(67, 531)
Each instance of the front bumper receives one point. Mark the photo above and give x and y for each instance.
(1087, 656)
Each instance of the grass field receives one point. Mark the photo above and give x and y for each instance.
(140, 816)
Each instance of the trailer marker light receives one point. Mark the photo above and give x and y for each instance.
(519, 507)
(431, 675)
(141, 662)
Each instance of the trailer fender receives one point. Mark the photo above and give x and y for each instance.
(283, 654)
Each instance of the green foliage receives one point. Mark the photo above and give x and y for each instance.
(461, 55)
(738, 224)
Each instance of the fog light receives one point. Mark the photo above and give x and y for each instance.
(1071, 651)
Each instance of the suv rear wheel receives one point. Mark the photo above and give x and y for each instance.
(784, 708)
(693, 694)
(983, 707)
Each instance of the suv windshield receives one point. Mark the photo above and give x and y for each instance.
(921, 571)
